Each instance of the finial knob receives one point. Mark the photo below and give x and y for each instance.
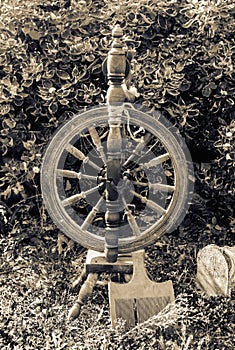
(117, 31)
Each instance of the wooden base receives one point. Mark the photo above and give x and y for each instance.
(134, 301)
(140, 298)
(97, 263)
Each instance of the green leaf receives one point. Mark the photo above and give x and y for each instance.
(185, 85)
(62, 74)
(11, 123)
(5, 109)
(206, 91)
(189, 23)
(53, 108)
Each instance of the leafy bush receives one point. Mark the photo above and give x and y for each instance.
(50, 68)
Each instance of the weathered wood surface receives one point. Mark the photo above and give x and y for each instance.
(139, 299)
(216, 270)
(96, 262)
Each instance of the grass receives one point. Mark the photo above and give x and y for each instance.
(36, 294)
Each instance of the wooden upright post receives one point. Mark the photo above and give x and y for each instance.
(116, 73)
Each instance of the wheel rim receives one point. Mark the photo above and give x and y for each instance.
(154, 187)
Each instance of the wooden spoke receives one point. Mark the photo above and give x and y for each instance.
(74, 175)
(81, 156)
(88, 177)
(138, 148)
(133, 224)
(131, 220)
(90, 217)
(155, 161)
(76, 197)
(152, 205)
(97, 142)
(68, 173)
(162, 187)
(156, 187)
(75, 152)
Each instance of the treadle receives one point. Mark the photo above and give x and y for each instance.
(139, 299)
(96, 263)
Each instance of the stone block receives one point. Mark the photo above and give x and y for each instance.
(216, 270)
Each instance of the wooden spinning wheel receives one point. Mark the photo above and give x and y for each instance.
(114, 177)
(152, 191)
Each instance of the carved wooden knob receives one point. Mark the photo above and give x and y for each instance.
(117, 31)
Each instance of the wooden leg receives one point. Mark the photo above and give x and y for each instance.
(85, 292)
(81, 278)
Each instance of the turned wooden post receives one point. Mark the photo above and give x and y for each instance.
(116, 73)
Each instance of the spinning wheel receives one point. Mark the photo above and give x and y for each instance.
(151, 191)
(114, 179)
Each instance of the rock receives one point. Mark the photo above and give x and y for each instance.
(216, 270)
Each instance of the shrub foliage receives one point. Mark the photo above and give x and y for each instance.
(51, 57)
